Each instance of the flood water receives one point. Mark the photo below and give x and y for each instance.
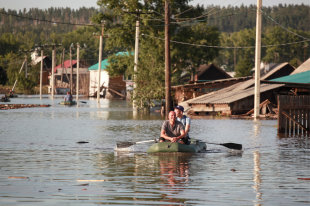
(41, 162)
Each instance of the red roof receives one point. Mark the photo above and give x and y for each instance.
(66, 65)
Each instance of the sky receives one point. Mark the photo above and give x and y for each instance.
(75, 4)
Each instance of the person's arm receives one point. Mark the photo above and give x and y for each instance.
(182, 134)
(164, 135)
(175, 139)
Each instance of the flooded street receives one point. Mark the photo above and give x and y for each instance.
(41, 162)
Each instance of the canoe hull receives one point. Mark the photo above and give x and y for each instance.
(195, 147)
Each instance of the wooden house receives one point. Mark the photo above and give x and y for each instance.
(208, 78)
(210, 72)
(239, 98)
(62, 75)
(189, 91)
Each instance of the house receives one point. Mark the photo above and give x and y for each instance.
(110, 87)
(62, 75)
(208, 78)
(210, 72)
(239, 98)
(272, 71)
(188, 91)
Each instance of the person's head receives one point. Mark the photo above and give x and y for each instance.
(68, 92)
(179, 110)
(171, 117)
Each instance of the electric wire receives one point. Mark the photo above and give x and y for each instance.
(228, 47)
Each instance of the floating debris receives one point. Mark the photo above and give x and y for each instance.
(302, 178)
(82, 142)
(20, 106)
(90, 180)
(18, 177)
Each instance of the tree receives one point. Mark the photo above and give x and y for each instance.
(120, 22)
(188, 58)
(283, 51)
(3, 76)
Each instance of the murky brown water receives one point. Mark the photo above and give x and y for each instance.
(41, 162)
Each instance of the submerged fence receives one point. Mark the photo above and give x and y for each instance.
(294, 115)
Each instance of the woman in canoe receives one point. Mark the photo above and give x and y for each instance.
(172, 130)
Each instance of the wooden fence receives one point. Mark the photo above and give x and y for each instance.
(294, 115)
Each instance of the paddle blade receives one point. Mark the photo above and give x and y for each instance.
(124, 144)
(232, 146)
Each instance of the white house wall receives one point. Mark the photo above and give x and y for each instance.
(93, 82)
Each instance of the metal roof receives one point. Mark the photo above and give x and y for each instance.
(229, 96)
(105, 63)
(303, 77)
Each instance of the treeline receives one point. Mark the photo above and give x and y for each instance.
(233, 19)
(226, 19)
(12, 21)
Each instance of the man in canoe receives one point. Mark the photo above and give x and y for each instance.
(172, 130)
(68, 97)
(186, 121)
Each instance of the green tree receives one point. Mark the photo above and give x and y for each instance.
(150, 77)
(283, 51)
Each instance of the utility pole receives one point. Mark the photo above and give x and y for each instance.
(136, 62)
(77, 70)
(99, 63)
(21, 68)
(41, 73)
(26, 68)
(257, 59)
(53, 72)
(71, 68)
(167, 57)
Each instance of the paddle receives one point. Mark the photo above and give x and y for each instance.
(128, 144)
(229, 145)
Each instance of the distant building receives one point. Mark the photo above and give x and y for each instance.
(210, 72)
(208, 78)
(110, 87)
(62, 74)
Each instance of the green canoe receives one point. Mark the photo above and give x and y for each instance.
(67, 103)
(194, 147)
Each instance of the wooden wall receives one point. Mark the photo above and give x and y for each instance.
(294, 115)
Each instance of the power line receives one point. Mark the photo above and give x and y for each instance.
(228, 47)
(269, 17)
(49, 21)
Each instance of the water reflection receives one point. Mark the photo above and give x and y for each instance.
(143, 178)
(174, 174)
(257, 178)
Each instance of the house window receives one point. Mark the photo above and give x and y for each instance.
(127, 77)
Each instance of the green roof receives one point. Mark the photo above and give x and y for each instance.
(303, 77)
(105, 62)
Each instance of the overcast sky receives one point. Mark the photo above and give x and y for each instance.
(75, 4)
